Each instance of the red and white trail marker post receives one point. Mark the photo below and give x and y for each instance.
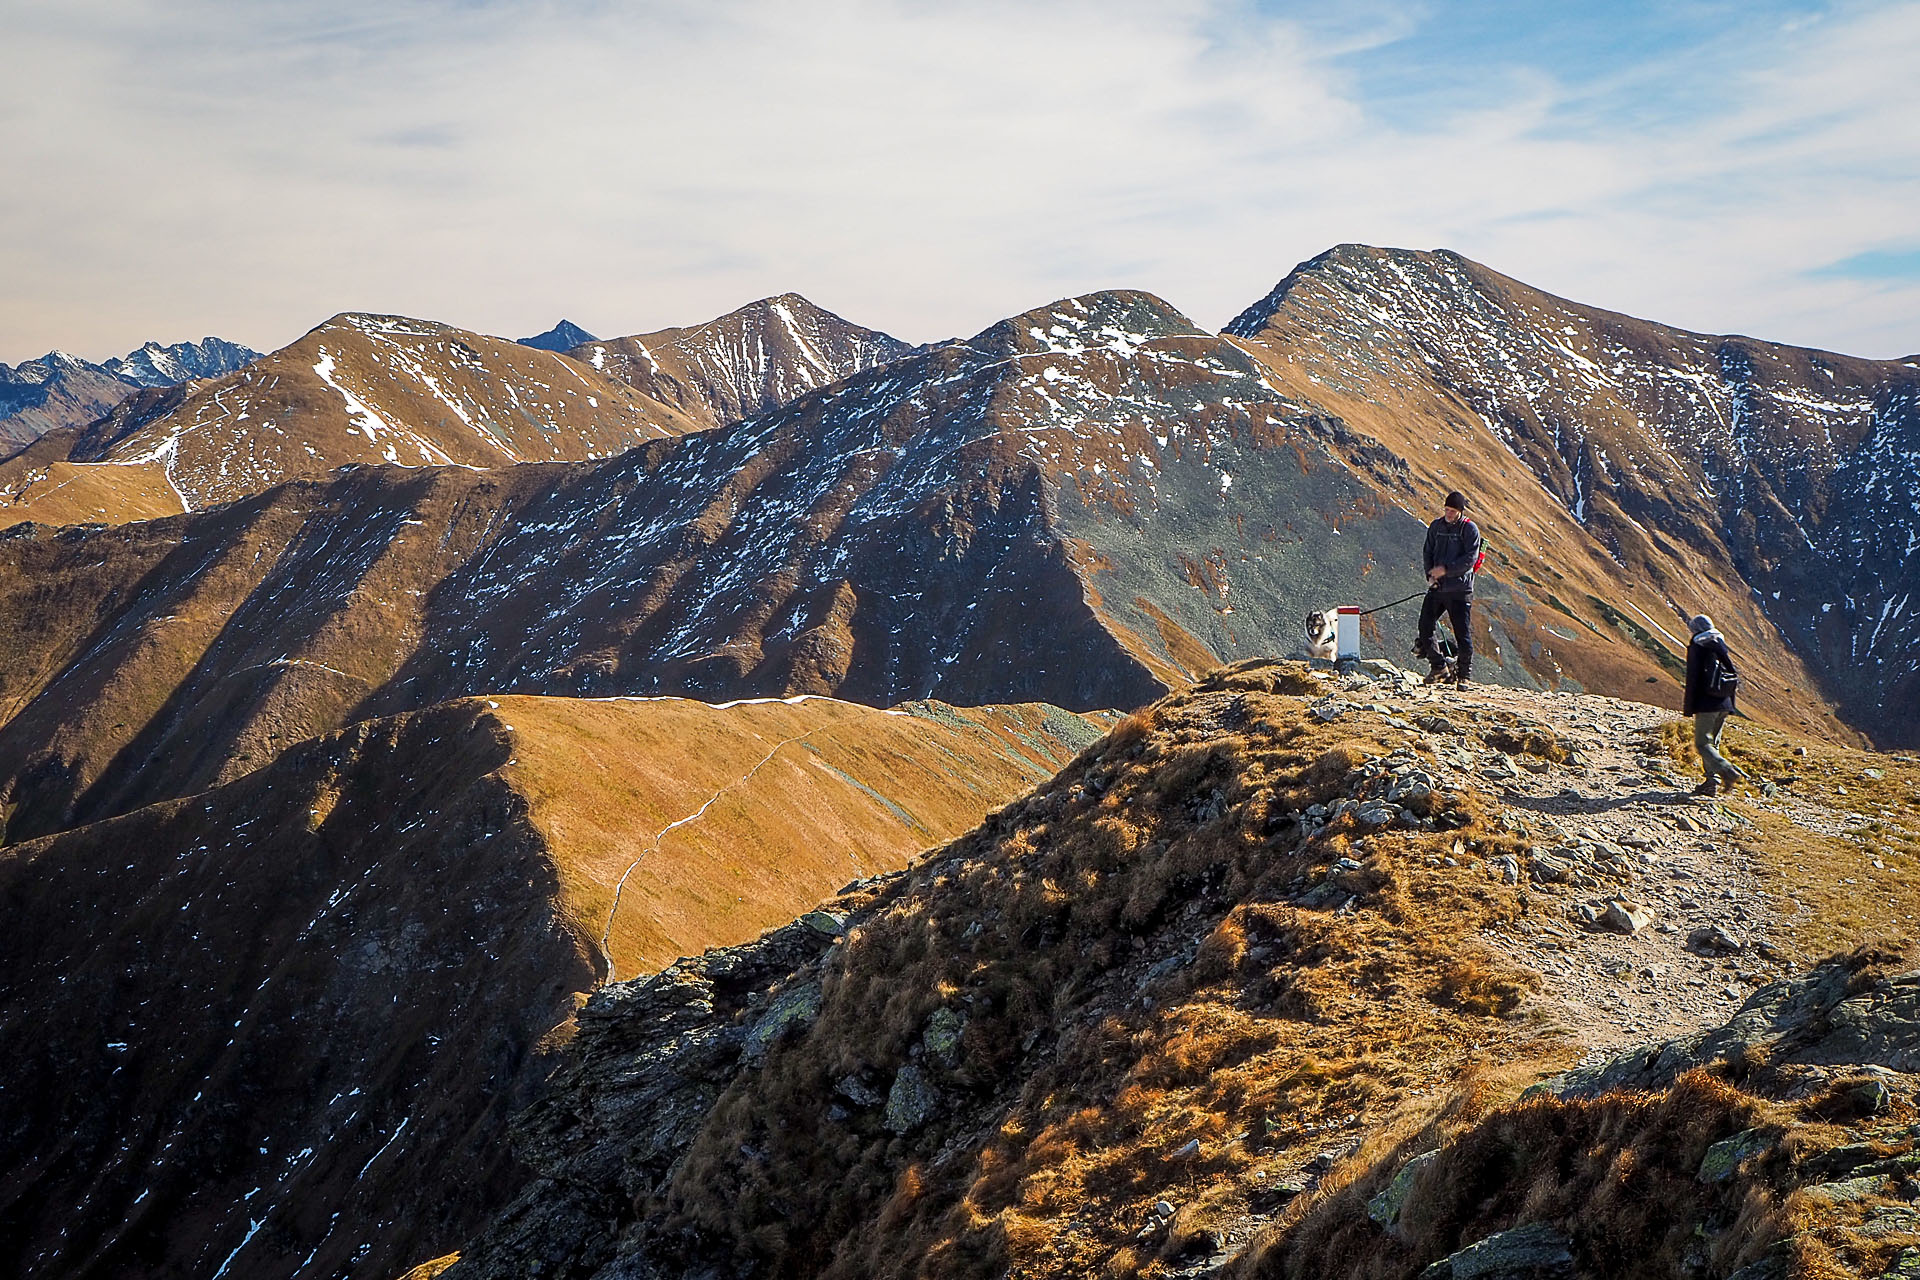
(1346, 632)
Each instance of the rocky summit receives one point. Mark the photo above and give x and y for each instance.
(759, 798)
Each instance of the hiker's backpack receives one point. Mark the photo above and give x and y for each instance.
(1480, 559)
(1722, 680)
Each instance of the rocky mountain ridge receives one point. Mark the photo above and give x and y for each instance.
(1078, 506)
(1642, 472)
(60, 390)
(751, 360)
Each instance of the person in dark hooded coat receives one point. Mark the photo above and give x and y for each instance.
(1451, 555)
(1712, 684)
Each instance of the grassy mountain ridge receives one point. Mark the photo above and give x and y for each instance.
(283, 1021)
(1241, 958)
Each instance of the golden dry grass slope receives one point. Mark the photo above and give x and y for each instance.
(679, 825)
(281, 1023)
(1191, 1005)
(42, 484)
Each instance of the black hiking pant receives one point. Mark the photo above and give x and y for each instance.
(1458, 606)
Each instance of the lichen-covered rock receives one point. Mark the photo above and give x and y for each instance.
(942, 1036)
(791, 1010)
(1387, 1205)
(1724, 1158)
(911, 1101)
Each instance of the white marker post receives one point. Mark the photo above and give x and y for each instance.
(1346, 632)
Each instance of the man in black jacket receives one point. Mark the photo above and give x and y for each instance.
(1711, 685)
(1451, 556)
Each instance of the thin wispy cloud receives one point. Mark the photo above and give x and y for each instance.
(248, 169)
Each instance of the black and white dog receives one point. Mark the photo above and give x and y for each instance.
(1320, 634)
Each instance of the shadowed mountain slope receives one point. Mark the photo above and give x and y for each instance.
(1632, 474)
(276, 1028)
(748, 361)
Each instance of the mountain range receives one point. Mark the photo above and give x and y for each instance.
(59, 390)
(366, 707)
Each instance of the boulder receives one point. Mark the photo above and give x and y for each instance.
(1724, 1158)
(1390, 1201)
(856, 1091)
(1533, 1252)
(828, 924)
(911, 1102)
(1623, 915)
(942, 1035)
(1548, 869)
(1376, 813)
(792, 1010)
(1713, 940)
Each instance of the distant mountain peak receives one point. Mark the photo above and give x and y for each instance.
(1121, 319)
(61, 390)
(154, 365)
(753, 359)
(562, 337)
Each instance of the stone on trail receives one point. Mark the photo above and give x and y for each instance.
(1623, 915)
(1713, 940)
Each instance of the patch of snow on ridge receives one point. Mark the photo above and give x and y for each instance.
(800, 342)
(357, 409)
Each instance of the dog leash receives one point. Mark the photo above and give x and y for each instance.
(1390, 604)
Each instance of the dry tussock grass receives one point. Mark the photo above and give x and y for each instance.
(1134, 979)
(1826, 887)
(1617, 1172)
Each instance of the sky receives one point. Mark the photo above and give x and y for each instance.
(248, 168)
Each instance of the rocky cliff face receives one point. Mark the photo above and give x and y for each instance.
(749, 361)
(1773, 487)
(277, 1028)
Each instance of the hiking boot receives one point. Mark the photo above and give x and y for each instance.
(1706, 788)
(1437, 673)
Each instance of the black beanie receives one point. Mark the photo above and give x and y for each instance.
(1457, 500)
